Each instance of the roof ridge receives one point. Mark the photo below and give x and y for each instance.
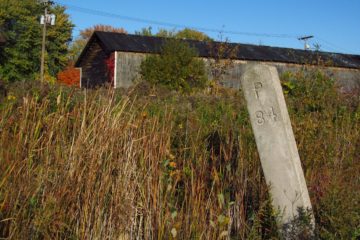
(113, 41)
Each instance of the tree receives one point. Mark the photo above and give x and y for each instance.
(20, 57)
(176, 68)
(166, 33)
(79, 44)
(186, 33)
(70, 76)
(145, 32)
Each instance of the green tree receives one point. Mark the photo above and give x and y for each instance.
(176, 68)
(186, 33)
(145, 32)
(20, 56)
(166, 33)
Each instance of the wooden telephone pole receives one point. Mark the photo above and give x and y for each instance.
(44, 20)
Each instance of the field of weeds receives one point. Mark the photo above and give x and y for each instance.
(152, 164)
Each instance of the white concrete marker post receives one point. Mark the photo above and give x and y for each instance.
(275, 140)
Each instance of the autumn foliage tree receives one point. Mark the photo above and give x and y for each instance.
(70, 76)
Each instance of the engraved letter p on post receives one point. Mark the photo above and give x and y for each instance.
(275, 140)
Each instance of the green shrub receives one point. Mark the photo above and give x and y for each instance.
(176, 68)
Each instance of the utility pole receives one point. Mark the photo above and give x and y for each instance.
(45, 20)
(42, 67)
(305, 39)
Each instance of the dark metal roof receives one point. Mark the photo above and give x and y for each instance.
(111, 42)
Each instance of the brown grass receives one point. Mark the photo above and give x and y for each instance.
(77, 165)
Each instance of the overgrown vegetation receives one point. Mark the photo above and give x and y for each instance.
(153, 164)
(176, 67)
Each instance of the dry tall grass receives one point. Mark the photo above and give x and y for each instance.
(77, 165)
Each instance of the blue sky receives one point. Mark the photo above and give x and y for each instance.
(335, 24)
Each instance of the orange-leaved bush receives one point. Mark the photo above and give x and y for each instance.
(70, 76)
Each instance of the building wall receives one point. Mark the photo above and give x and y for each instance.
(128, 67)
(93, 68)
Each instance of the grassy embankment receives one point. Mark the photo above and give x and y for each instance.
(105, 165)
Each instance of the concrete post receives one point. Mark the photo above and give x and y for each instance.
(275, 140)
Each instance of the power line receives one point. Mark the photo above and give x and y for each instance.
(173, 25)
(333, 46)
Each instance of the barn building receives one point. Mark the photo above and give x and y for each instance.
(114, 59)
